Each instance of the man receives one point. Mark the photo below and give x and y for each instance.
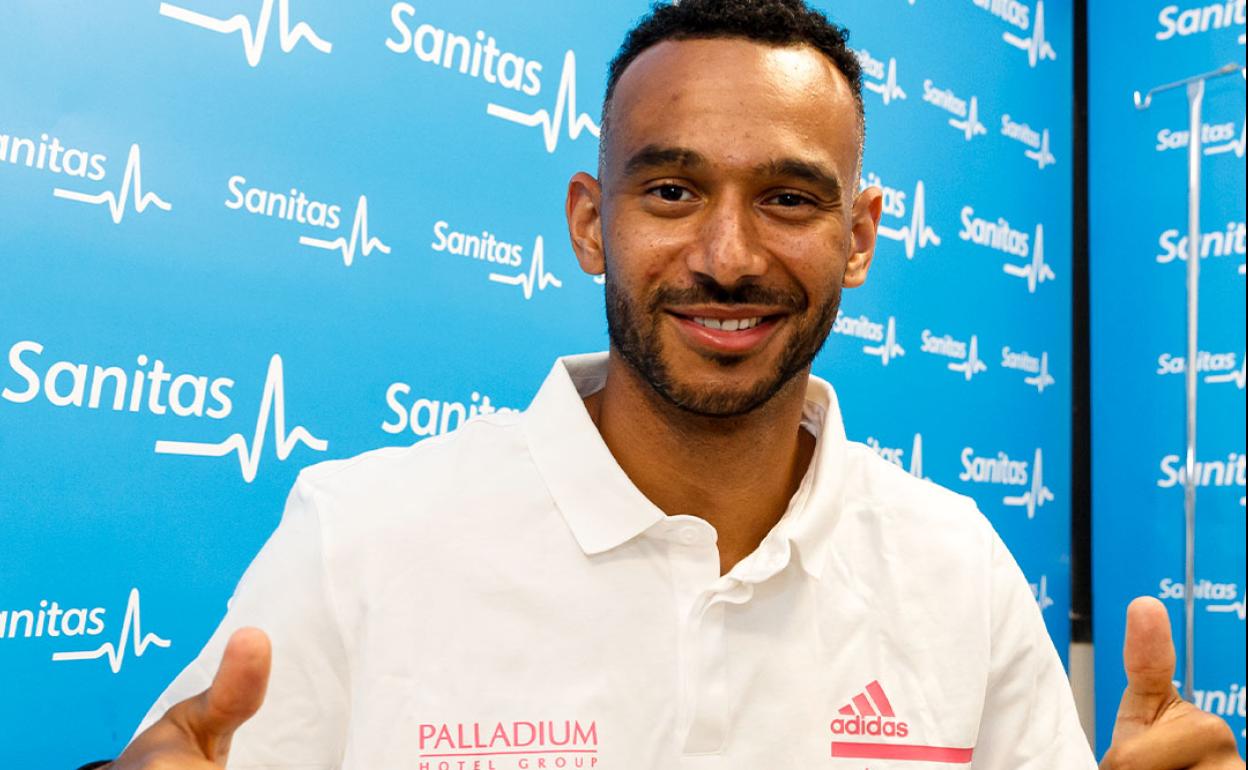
(674, 558)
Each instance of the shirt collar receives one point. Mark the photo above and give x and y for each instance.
(604, 509)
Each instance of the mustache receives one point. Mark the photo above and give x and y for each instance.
(717, 294)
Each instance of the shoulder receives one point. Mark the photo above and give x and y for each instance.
(471, 461)
(909, 509)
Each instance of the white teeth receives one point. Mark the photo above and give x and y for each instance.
(729, 324)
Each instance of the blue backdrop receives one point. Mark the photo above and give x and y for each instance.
(243, 236)
(1138, 182)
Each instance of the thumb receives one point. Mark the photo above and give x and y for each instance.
(1148, 657)
(236, 692)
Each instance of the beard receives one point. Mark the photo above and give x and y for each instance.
(634, 330)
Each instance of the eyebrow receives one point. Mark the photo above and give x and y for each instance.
(658, 156)
(653, 155)
(805, 170)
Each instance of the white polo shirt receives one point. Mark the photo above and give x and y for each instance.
(503, 597)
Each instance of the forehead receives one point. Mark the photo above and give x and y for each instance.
(736, 101)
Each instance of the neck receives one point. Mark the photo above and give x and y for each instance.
(737, 473)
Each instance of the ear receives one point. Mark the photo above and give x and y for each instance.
(584, 211)
(864, 223)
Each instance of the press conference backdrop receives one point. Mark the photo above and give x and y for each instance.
(244, 236)
(1138, 243)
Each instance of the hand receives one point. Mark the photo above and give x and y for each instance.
(1156, 729)
(196, 733)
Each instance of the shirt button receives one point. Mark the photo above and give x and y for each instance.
(688, 535)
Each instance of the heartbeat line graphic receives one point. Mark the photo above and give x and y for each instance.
(1042, 155)
(359, 233)
(1233, 608)
(253, 38)
(1037, 46)
(970, 127)
(131, 627)
(888, 89)
(1041, 592)
(916, 457)
(888, 349)
(1234, 146)
(917, 234)
(537, 278)
(1038, 495)
(972, 365)
(1042, 378)
(273, 402)
(131, 180)
(565, 104)
(1236, 376)
(1037, 271)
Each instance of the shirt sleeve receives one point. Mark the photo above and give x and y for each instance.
(284, 591)
(1029, 720)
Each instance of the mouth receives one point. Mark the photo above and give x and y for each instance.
(738, 331)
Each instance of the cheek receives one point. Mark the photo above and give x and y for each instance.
(641, 255)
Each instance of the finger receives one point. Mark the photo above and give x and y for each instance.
(1187, 737)
(236, 692)
(1148, 657)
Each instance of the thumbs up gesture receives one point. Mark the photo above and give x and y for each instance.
(196, 733)
(1156, 729)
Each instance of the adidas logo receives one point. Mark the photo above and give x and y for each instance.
(869, 713)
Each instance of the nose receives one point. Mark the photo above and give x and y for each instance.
(728, 251)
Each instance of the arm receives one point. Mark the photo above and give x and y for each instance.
(303, 719)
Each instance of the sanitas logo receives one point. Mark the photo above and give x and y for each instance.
(1213, 363)
(1218, 598)
(966, 116)
(1003, 469)
(916, 234)
(1000, 236)
(129, 190)
(870, 715)
(253, 35)
(51, 620)
(75, 384)
(1227, 242)
(48, 154)
(1178, 21)
(481, 58)
(1037, 369)
(430, 416)
(295, 206)
(1040, 591)
(1016, 13)
(272, 404)
(1215, 139)
(864, 328)
(1036, 46)
(896, 455)
(1208, 473)
(966, 354)
(492, 251)
(1036, 141)
(881, 77)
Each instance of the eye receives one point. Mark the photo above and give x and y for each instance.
(790, 200)
(672, 193)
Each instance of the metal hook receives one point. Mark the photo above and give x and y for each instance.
(1144, 100)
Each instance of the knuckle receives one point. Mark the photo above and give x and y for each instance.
(1122, 757)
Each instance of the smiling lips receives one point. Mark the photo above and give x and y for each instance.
(727, 332)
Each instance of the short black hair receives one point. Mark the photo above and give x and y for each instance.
(773, 22)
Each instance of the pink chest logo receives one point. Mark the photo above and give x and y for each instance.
(870, 716)
(520, 745)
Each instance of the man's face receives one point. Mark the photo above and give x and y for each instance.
(728, 218)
